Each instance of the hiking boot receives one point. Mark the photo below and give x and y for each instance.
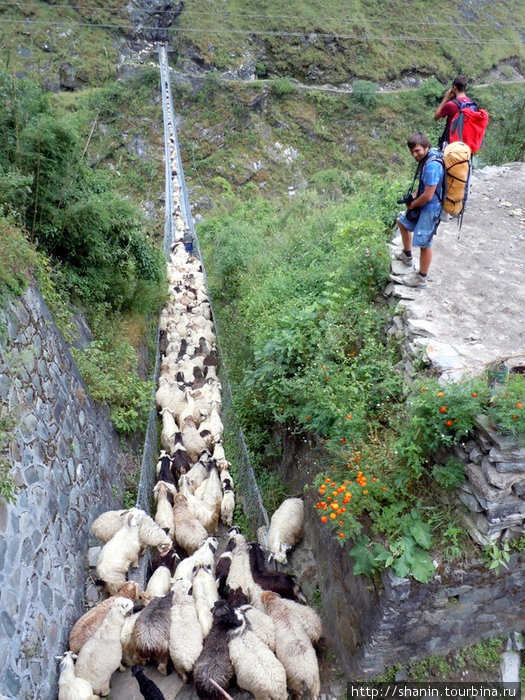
(414, 279)
(405, 259)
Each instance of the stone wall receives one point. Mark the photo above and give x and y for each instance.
(64, 455)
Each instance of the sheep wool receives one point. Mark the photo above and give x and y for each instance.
(309, 619)
(116, 555)
(129, 653)
(214, 661)
(256, 667)
(293, 648)
(159, 582)
(70, 687)
(286, 528)
(150, 636)
(189, 532)
(205, 555)
(205, 595)
(185, 636)
(164, 512)
(87, 625)
(109, 523)
(100, 656)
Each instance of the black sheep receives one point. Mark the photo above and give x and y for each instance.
(277, 581)
(148, 689)
(214, 662)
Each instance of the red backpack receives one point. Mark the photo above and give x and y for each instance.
(468, 125)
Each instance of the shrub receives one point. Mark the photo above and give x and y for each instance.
(109, 370)
(506, 408)
(432, 92)
(282, 87)
(365, 92)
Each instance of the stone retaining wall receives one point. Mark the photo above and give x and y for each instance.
(64, 455)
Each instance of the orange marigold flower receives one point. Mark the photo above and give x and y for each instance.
(424, 388)
(474, 395)
(440, 394)
(324, 518)
(341, 522)
(443, 409)
(307, 418)
(374, 479)
(514, 417)
(333, 516)
(365, 492)
(383, 488)
(327, 379)
(342, 440)
(341, 534)
(519, 404)
(449, 423)
(349, 416)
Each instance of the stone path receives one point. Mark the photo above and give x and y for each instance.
(472, 311)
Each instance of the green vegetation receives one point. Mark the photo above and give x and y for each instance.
(65, 223)
(344, 40)
(8, 487)
(478, 662)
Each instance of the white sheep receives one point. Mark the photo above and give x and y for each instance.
(210, 492)
(309, 619)
(293, 648)
(213, 423)
(129, 653)
(118, 554)
(169, 428)
(164, 511)
(100, 656)
(261, 623)
(159, 582)
(109, 522)
(240, 573)
(70, 687)
(199, 509)
(87, 625)
(227, 505)
(257, 669)
(191, 439)
(186, 639)
(190, 533)
(205, 555)
(286, 529)
(194, 476)
(205, 595)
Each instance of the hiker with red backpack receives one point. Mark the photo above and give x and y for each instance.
(466, 122)
(450, 106)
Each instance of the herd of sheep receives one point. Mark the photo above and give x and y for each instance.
(212, 618)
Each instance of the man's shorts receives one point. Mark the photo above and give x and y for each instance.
(424, 228)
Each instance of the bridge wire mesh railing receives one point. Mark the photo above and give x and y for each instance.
(246, 487)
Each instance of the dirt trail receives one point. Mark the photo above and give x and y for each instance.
(473, 309)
